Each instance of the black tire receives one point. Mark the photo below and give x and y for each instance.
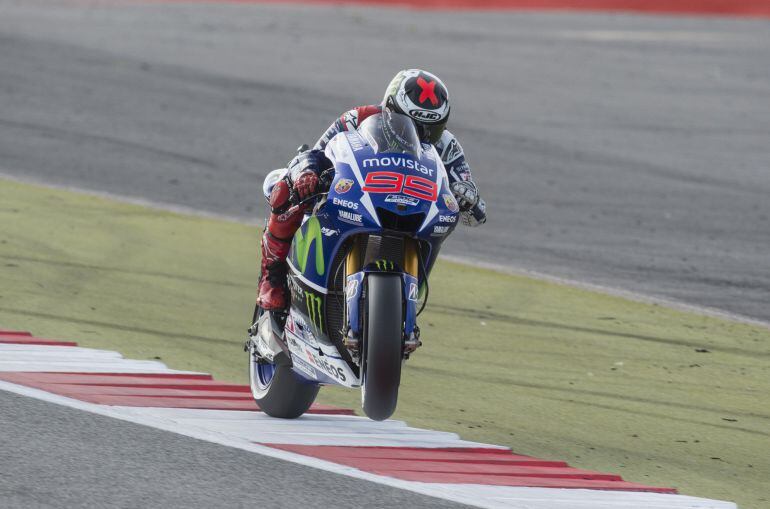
(285, 395)
(383, 345)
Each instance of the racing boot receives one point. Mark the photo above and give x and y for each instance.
(273, 291)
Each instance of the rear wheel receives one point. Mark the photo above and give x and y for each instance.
(383, 344)
(277, 390)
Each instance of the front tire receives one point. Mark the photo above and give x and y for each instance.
(277, 390)
(383, 345)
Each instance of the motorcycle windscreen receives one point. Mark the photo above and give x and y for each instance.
(389, 132)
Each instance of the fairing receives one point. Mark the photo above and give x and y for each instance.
(371, 193)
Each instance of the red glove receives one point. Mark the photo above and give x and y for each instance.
(306, 185)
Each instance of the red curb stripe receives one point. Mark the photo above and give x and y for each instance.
(10, 339)
(445, 454)
(402, 467)
(744, 8)
(145, 381)
(117, 388)
(84, 390)
(179, 376)
(470, 466)
(389, 451)
(528, 482)
(166, 390)
(247, 405)
(14, 333)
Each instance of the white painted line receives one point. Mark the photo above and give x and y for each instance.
(95, 366)
(24, 357)
(42, 350)
(27, 356)
(474, 495)
(310, 429)
(547, 498)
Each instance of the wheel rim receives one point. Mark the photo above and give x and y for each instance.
(261, 377)
(265, 373)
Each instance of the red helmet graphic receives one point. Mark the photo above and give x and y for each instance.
(422, 96)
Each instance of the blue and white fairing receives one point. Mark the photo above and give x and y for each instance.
(356, 191)
(373, 191)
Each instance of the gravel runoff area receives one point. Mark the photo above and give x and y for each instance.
(626, 151)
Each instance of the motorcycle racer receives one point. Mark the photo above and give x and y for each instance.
(412, 92)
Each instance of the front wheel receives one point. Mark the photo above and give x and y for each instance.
(383, 347)
(277, 390)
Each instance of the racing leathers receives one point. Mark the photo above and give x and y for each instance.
(307, 172)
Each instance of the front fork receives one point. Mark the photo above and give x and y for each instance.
(354, 291)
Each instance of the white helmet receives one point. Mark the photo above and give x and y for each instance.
(423, 97)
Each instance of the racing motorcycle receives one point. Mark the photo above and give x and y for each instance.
(357, 271)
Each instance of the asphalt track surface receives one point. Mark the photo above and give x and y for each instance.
(88, 460)
(627, 151)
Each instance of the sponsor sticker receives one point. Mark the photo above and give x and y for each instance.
(314, 305)
(352, 289)
(451, 203)
(440, 230)
(413, 291)
(430, 116)
(303, 366)
(352, 205)
(452, 152)
(398, 161)
(350, 119)
(297, 293)
(303, 332)
(385, 265)
(447, 219)
(334, 371)
(350, 217)
(402, 200)
(343, 186)
(329, 232)
(263, 349)
(355, 142)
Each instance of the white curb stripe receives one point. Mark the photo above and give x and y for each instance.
(240, 429)
(474, 495)
(96, 366)
(317, 429)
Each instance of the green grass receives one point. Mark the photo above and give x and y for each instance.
(549, 370)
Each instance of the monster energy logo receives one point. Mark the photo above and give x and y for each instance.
(385, 265)
(302, 242)
(314, 303)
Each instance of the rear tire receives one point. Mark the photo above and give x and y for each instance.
(277, 390)
(383, 345)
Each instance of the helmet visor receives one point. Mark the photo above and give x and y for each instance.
(431, 133)
(391, 132)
